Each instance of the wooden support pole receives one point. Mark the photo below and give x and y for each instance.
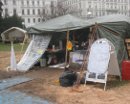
(25, 38)
(66, 57)
(92, 37)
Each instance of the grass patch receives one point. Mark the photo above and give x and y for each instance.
(7, 46)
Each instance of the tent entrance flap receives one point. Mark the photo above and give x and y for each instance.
(113, 68)
(35, 50)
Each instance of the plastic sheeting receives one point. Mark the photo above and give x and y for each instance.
(62, 23)
(35, 50)
(6, 83)
(17, 97)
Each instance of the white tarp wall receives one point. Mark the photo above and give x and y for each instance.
(35, 50)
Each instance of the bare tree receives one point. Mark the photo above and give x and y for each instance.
(57, 10)
(61, 9)
(44, 15)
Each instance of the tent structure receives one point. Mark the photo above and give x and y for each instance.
(60, 24)
(113, 27)
(13, 33)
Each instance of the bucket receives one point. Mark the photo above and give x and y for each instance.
(126, 70)
(43, 62)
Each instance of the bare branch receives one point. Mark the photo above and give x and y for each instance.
(57, 10)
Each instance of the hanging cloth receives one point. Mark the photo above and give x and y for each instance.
(69, 45)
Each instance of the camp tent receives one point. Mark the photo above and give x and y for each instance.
(114, 27)
(63, 23)
(13, 33)
(59, 24)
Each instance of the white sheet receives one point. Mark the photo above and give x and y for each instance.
(13, 65)
(34, 51)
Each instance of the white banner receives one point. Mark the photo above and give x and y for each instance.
(35, 50)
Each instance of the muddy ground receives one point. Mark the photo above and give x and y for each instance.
(46, 85)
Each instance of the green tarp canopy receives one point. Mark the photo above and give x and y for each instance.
(113, 27)
(59, 24)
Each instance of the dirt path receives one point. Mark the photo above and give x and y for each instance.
(5, 59)
(5, 62)
(46, 86)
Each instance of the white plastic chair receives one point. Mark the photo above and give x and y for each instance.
(98, 62)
